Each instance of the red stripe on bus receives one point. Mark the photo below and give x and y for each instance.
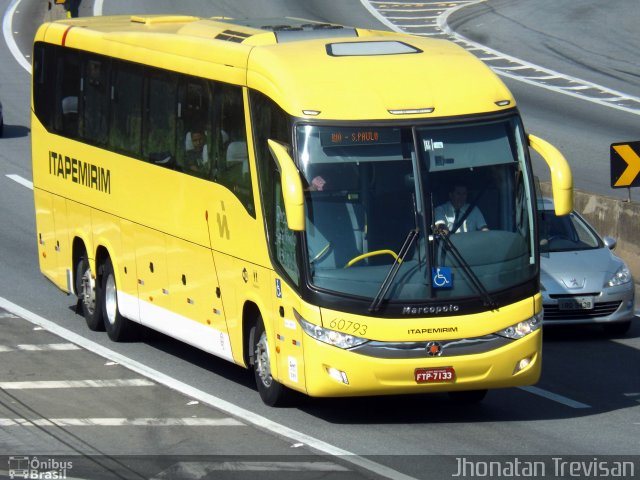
(64, 35)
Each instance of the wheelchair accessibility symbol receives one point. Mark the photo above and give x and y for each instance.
(441, 277)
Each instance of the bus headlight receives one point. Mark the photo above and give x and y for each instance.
(523, 328)
(332, 337)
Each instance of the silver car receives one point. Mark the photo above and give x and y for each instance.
(582, 280)
(1, 121)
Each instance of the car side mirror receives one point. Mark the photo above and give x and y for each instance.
(610, 242)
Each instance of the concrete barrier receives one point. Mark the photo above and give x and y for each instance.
(54, 11)
(613, 217)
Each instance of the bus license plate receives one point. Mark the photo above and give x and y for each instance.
(576, 303)
(435, 375)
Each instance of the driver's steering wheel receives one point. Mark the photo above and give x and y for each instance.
(355, 260)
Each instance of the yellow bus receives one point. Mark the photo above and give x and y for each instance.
(280, 194)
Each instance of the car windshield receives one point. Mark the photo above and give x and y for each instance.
(566, 233)
(380, 196)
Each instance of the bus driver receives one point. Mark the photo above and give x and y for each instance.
(449, 214)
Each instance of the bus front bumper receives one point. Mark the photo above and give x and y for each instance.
(331, 371)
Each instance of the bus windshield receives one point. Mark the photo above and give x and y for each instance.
(437, 212)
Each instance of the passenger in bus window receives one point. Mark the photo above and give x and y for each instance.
(317, 184)
(196, 151)
(454, 215)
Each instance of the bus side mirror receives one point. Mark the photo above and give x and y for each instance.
(561, 179)
(292, 190)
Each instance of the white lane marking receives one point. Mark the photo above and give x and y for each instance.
(197, 470)
(555, 397)
(120, 422)
(22, 181)
(7, 21)
(374, 11)
(216, 402)
(49, 347)
(40, 384)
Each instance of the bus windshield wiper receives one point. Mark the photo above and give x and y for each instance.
(393, 271)
(487, 299)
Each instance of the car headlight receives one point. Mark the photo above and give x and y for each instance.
(523, 328)
(622, 276)
(332, 337)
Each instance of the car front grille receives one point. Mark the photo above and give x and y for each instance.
(601, 309)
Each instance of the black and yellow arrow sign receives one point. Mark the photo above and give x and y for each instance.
(625, 164)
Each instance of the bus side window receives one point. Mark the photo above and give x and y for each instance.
(230, 128)
(160, 120)
(44, 85)
(270, 122)
(94, 106)
(68, 89)
(125, 132)
(194, 129)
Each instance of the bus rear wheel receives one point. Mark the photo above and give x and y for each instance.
(272, 392)
(119, 328)
(89, 293)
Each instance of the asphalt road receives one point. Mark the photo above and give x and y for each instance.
(589, 40)
(587, 403)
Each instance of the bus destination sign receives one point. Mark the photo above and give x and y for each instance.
(351, 136)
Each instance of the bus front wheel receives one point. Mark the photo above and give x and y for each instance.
(118, 327)
(272, 392)
(88, 293)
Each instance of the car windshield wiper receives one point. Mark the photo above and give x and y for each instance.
(487, 299)
(393, 271)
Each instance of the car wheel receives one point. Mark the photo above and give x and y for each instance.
(272, 392)
(118, 327)
(88, 295)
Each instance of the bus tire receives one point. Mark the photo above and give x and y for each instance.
(88, 291)
(272, 392)
(119, 328)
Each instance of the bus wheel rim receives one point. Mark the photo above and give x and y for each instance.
(88, 292)
(110, 300)
(262, 361)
